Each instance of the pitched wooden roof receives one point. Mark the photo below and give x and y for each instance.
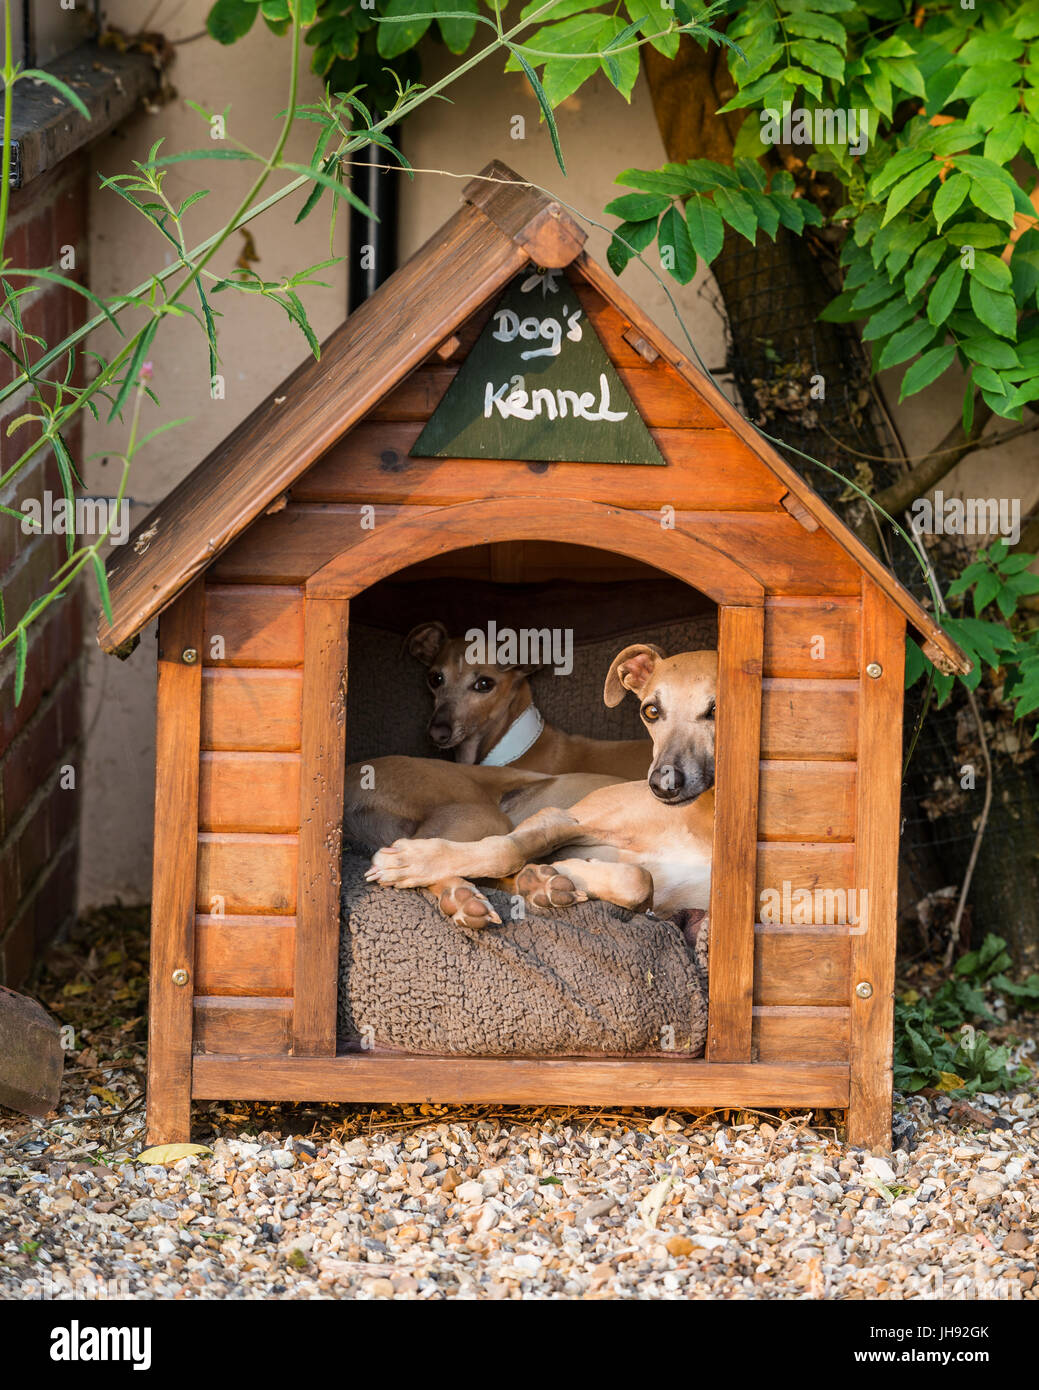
(502, 226)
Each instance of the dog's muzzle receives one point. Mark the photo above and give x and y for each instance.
(676, 786)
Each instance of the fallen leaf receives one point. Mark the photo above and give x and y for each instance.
(171, 1153)
(649, 1207)
(950, 1081)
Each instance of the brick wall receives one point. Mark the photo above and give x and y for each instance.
(40, 737)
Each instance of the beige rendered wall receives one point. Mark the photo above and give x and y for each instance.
(601, 135)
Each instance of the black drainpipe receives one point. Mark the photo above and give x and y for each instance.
(379, 189)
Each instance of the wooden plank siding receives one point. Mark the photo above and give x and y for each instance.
(250, 759)
(252, 689)
(809, 767)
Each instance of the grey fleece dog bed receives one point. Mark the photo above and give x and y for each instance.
(593, 980)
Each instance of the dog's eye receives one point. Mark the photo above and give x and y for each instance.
(482, 684)
(651, 712)
(435, 679)
(709, 713)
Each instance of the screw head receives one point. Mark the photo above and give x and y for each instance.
(864, 989)
(180, 977)
(189, 655)
(874, 670)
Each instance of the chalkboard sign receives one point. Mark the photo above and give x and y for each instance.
(538, 386)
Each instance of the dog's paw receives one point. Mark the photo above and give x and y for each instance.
(544, 889)
(466, 906)
(406, 864)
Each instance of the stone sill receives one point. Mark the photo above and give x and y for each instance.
(46, 129)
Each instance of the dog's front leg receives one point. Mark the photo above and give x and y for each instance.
(421, 863)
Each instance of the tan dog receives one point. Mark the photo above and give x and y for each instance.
(637, 844)
(486, 713)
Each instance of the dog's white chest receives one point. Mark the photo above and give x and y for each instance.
(681, 875)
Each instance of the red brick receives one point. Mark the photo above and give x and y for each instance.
(70, 223)
(13, 718)
(31, 762)
(55, 900)
(38, 476)
(8, 886)
(65, 642)
(63, 814)
(43, 316)
(70, 704)
(33, 574)
(18, 951)
(16, 247)
(33, 847)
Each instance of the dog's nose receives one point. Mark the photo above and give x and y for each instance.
(667, 783)
(440, 734)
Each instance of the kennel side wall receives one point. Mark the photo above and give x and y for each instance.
(244, 748)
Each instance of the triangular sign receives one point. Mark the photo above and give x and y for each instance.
(538, 386)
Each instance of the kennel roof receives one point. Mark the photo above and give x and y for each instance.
(503, 227)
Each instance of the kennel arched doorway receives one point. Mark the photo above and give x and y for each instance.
(392, 543)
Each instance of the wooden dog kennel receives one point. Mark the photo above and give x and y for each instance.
(252, 562)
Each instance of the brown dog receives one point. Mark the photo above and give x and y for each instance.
(636, 844)
(485, 712)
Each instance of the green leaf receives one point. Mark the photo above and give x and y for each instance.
(949, 197)
(400, 28)
(905, 191)
(942, 299)
(994, 198)
(673, 180)
(924, 262)
(674, 236)
(823, 58)
(102, 585)
(991, 107)
(839, 310)
(704, 224)
(230, 20)
(735, 207)
(456, 20)
(906, 343)
(765, 211)
(890, 318)
(636, 207)
(653, 24)
(995, 309)
(563, 76)
(1006, 137)
(21, 656)
(916, 663)
(637, 235)
(926, 369)
(816, 26)
(546, 109)
(990, 352)
(991, 271)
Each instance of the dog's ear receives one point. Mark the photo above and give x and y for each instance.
(631, 670)
(424, 641)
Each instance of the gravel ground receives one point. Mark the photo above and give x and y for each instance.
(436, 1202)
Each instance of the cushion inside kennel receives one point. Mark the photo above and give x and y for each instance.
(594, 980)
